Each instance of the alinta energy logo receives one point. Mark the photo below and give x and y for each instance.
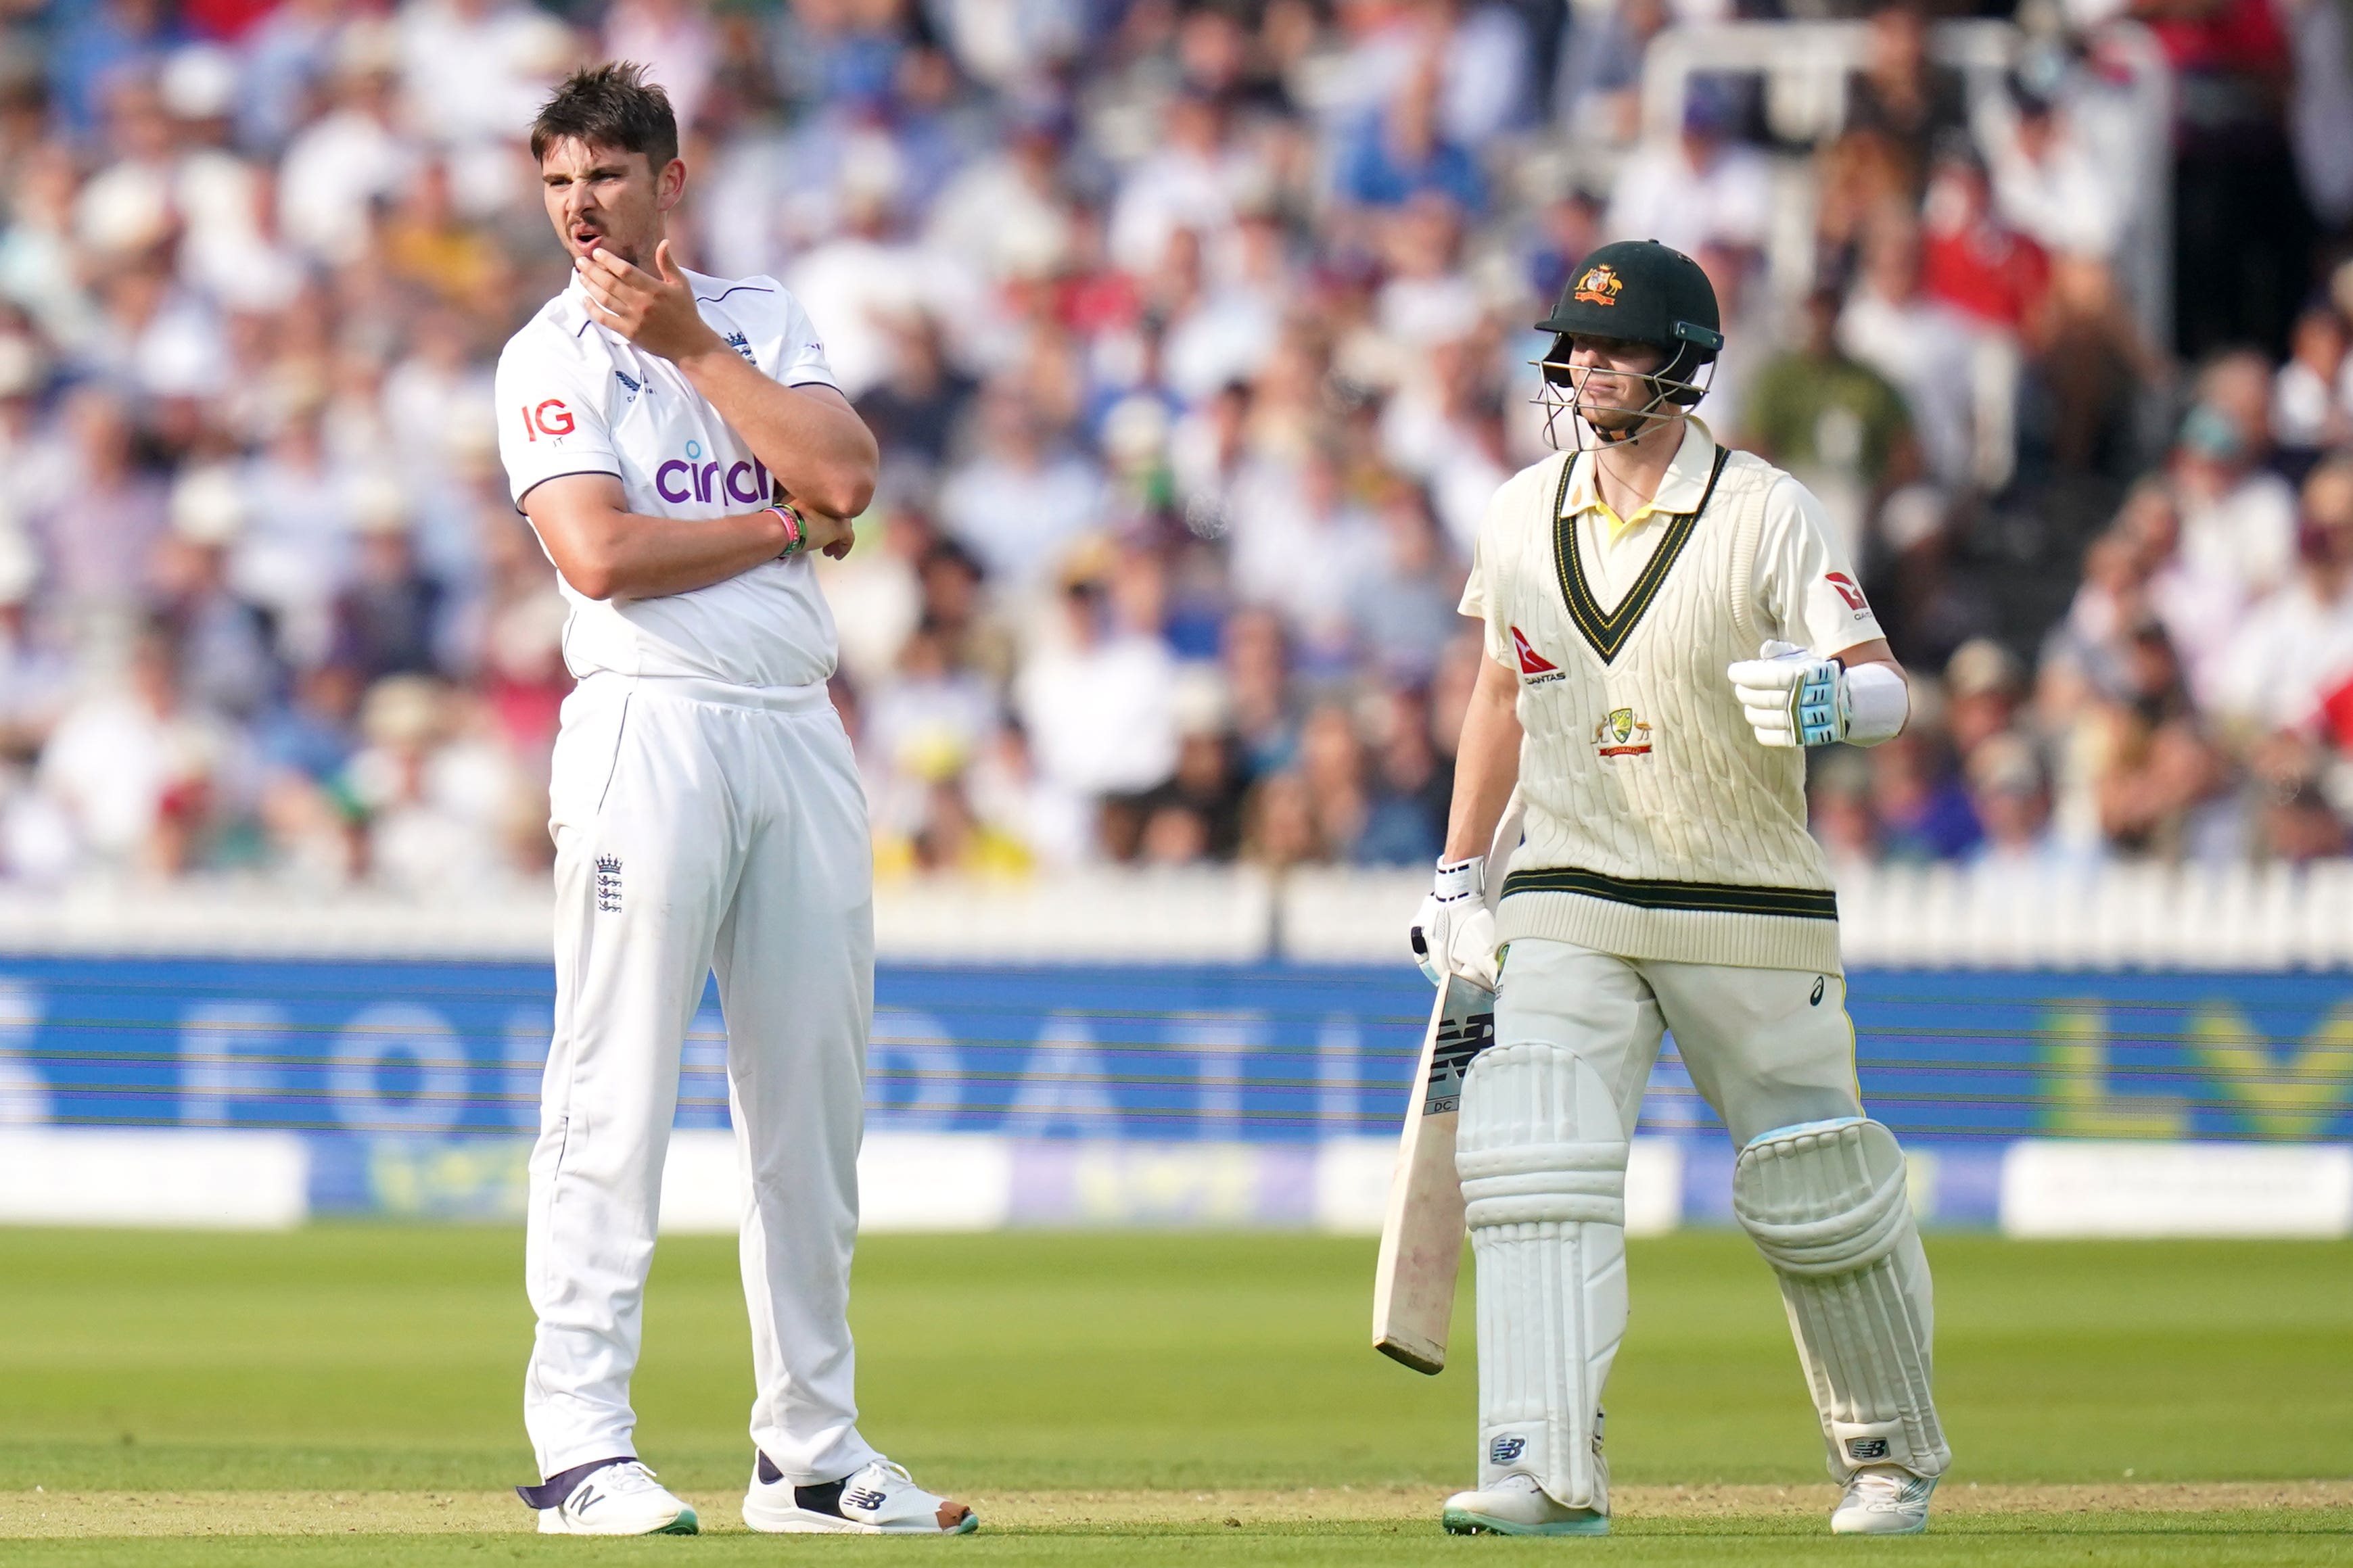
(692, 478)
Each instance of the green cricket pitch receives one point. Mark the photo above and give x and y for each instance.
(348, 1394)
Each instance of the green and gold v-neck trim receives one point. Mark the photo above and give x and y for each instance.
(1607, 631)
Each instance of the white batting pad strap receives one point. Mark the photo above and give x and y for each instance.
(1562, 1183)
(1826, 1205)
(1543, 1159)
(1878, 702)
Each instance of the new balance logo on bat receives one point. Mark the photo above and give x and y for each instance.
(1460, 1041)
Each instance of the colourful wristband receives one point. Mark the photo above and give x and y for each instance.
(797, 537)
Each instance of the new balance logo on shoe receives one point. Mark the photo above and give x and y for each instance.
(865, 1498)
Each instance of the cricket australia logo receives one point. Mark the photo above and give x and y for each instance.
(608, 884)
(1620, 734)
(1600, 286)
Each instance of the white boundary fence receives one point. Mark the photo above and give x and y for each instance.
(1937, 917)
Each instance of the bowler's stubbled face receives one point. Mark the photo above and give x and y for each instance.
(600, 198)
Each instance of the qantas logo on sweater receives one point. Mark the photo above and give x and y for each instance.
(1535, 667)
(1844, 586)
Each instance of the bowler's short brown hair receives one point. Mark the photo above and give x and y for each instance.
(611, 105)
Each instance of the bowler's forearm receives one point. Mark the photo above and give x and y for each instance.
(814, 445)
(627, 555)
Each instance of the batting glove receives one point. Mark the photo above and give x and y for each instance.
(1455, 932)
(1792, 699)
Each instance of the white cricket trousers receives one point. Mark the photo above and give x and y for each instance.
(702, 827)
(1767, 1048)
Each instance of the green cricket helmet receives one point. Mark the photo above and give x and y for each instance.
(1638, 290)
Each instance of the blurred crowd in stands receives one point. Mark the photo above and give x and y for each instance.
(1196, 334)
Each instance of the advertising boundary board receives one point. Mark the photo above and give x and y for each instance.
(2118, 1102)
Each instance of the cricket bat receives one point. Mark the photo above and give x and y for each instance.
(1421, 1235)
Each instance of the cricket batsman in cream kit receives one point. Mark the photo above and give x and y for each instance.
(1669, 624)
(679, 447)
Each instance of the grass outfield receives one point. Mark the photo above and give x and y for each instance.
(1104, 1397)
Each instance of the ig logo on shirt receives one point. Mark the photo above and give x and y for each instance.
(548, 419)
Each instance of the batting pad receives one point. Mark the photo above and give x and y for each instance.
(1826, 1202)
(1543, 1162)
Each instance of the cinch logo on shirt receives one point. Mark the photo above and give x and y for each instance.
(690, 478)
(1534, 667)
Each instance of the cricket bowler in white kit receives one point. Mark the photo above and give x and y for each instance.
(679, 446)
(1667, 625)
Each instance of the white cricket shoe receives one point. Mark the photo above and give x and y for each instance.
(1883, 1501)
(879, 1499)
(1517, 1505)
(609, 1496)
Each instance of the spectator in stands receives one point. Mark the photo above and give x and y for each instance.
(135, 771)
(2163, 782)
(2308, 415)
(1599, 91)
(2237, 537)
(1900, 97)
(2047, 183)
(1401, 608)
(1099, 699)
(1982, 681)
(1022, 499)
(104, 515)
(1839, 808)
(2240, 215)
(1704, 188)
(1257, 660)
(1920, 344)
(1243, 290)
(1920, 807)
(1969, 257)
(2293, 650)
(1412, 789)
(1389, 159)
(2009, 798)
(1835, 422)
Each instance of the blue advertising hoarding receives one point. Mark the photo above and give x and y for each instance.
(1247, 1053)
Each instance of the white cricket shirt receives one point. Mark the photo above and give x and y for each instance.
(575, 397)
